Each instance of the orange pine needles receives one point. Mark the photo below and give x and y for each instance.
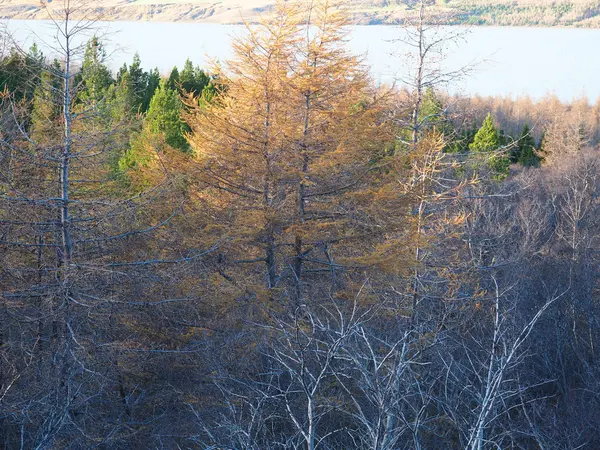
(288, 145)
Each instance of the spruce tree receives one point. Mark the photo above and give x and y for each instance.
(121, 73)
(525, 153)
(44, 114)
(121, 99)
(489, 140)
(95, 75)
(122, 118)
(139, 81)
(164, 117)
(193, 79)
(173, 82)
(20, 72)
(35, 61)
(461, 143)
(541, 147)
(432, 113)
(151, 87)
(162, 125)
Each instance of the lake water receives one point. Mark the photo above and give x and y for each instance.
(509, 60)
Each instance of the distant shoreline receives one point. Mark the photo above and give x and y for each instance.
(356, 23)
(473, 15)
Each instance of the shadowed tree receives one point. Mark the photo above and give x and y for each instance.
(77, 267)
(525, 152)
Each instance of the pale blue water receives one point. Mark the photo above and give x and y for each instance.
(511, 61)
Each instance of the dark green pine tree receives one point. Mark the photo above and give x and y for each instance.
(432, 114)
(173, 82)
(142, 84)
(489, 140)
(162, 124)
(503, 138)
(164, 117)
(123, 70)
(541, 148)
(20, 74)
(124, 120)
(35, 61)
(151, 86)
(192, 79)
(461, 141)
(139, 82)
(121, 99)
(95, 76)
(583, 138)
(525, 152)
(45, 111)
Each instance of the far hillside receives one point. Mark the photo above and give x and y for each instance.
(580, 13)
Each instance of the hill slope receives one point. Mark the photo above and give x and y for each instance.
(583, 13)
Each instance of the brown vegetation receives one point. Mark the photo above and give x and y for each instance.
(321, 263)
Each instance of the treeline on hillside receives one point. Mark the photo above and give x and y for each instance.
(581, 14)
(278, 253)
(546, 13)
(578, 13)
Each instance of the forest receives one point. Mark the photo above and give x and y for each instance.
(278, 252)
(544, 13)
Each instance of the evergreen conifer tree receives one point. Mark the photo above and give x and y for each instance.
(525, 152)
(431, 112)
(173, 81)
(121, 73)
(45, 112)
(193, 79)
(541, 147)
(94, 74)
(162, 125)
(139, 82)
(20, 72)
(122, 99)
(461, 142)
(164, 117)
(489, 140)
(151, 87)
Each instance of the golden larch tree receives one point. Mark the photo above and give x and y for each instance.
(286, 152)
